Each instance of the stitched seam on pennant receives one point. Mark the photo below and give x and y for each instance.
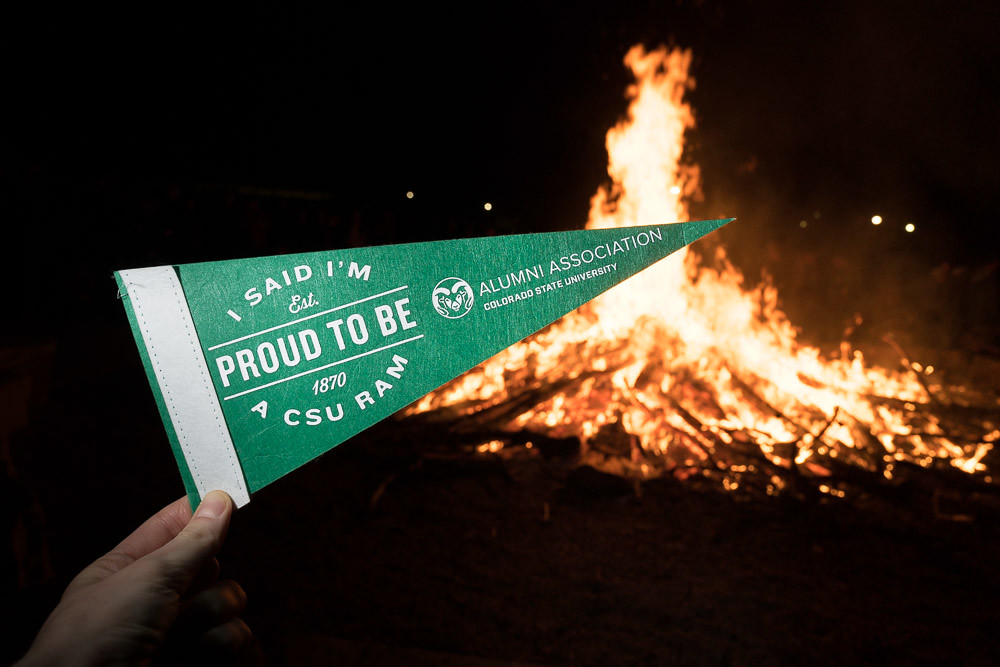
(223, 430)
(147, 335)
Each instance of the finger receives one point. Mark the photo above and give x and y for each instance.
(205, 578)
(230, 638)
(156, 531)
(213, 606)
(227, 642)
(182, 558)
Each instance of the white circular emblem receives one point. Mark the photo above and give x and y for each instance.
(452, 298)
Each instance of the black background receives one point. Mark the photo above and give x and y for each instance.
(153, 134)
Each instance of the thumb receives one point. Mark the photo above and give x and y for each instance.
(198, 542)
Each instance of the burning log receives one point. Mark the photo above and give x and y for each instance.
(905, 360)
(701, 432)
(762, 404)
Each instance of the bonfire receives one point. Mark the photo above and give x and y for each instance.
(684, 370)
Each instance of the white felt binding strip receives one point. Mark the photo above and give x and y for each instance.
(179, 365)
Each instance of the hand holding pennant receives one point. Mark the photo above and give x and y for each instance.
(259, 365)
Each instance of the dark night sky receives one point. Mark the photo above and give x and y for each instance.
(844, 109)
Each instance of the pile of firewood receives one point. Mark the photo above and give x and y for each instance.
(814, 465)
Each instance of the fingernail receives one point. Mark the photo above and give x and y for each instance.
(213, 505)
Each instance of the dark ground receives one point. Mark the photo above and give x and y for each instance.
(462, 559)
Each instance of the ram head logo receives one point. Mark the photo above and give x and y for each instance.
(452, 298)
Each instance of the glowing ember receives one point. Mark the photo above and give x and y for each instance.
(683, 369)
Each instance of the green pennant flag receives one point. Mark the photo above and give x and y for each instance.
(260, 365)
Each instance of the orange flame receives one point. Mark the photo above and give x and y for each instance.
(681, 359)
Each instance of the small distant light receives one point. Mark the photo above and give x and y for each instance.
(876, 219)
(675, 189)
(803, 224)
(409, 194)
(910, 227)
(816, 215)
(488, 206)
